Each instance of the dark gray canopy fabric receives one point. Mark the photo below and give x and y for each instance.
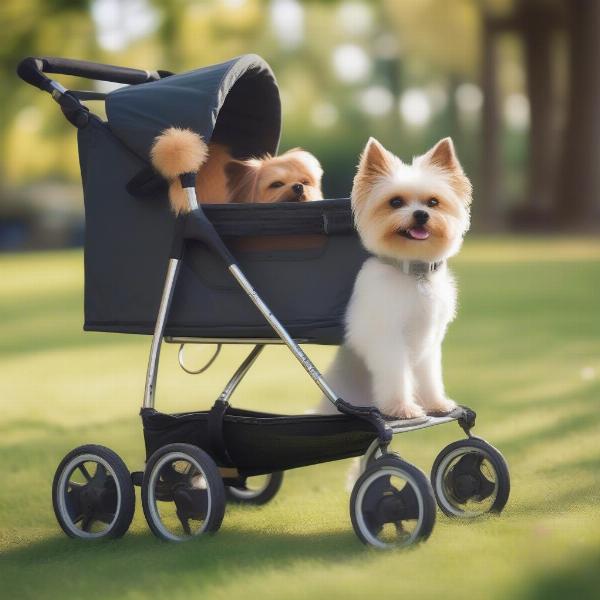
(234, 103)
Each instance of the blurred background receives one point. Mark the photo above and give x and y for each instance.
(514, 82)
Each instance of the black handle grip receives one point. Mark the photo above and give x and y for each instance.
(32, 69)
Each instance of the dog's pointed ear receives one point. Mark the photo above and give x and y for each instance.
(375, 160)
(241, 180)
(443, 156)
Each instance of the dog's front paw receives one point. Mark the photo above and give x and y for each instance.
(440, 406)
(405, 411)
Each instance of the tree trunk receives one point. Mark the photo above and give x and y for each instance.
(578, 201)
(538, 36)
(488, 214)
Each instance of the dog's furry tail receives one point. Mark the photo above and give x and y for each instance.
(174, 152)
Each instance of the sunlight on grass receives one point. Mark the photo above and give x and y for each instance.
(524, 352)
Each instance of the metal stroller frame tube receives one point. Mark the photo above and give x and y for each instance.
(163, 311)
(241, 371)
(159, 328)
(190, 192)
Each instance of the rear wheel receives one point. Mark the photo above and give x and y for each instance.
(183, 495)
(392, 504)
(92, 494)
(256, 490)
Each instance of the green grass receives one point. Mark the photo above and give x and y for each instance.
(524, 352)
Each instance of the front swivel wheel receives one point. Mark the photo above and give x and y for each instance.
(470, 478)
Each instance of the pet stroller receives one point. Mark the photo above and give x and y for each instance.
(252, 274)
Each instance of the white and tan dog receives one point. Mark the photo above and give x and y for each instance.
(412, 218)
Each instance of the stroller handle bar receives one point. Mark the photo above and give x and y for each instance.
(32, 69)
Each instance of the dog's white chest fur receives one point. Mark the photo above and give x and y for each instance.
(389, 305)
(396, 323)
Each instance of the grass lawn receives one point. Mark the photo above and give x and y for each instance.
(524, 352)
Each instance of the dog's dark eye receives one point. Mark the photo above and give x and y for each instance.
(277, 184)
(432, 202)
(397, 202)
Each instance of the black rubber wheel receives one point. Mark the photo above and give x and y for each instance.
(392, 504)
(470, 478)
(183, 495)
(92, 493)
(256, 495)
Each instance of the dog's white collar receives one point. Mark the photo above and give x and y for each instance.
(418, 268)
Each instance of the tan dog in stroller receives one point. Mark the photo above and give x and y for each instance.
(295, 176)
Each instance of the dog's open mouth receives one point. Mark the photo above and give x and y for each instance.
(414, 233)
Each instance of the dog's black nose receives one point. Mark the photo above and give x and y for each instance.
(298, 188)
(421, 217)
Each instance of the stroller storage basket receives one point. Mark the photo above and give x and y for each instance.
(258, 443)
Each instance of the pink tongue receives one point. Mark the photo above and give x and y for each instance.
(419, 233)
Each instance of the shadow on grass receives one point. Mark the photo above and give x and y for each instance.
(580, 580)
(142, 562)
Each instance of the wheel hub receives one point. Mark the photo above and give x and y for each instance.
(465, 486)
(384, 503)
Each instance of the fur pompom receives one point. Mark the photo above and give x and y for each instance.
(176, 151)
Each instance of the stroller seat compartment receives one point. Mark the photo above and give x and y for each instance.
(129, 228)
(301, 258)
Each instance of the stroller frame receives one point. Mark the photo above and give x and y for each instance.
(459, 484)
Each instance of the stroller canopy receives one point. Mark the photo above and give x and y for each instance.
(235, 103)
